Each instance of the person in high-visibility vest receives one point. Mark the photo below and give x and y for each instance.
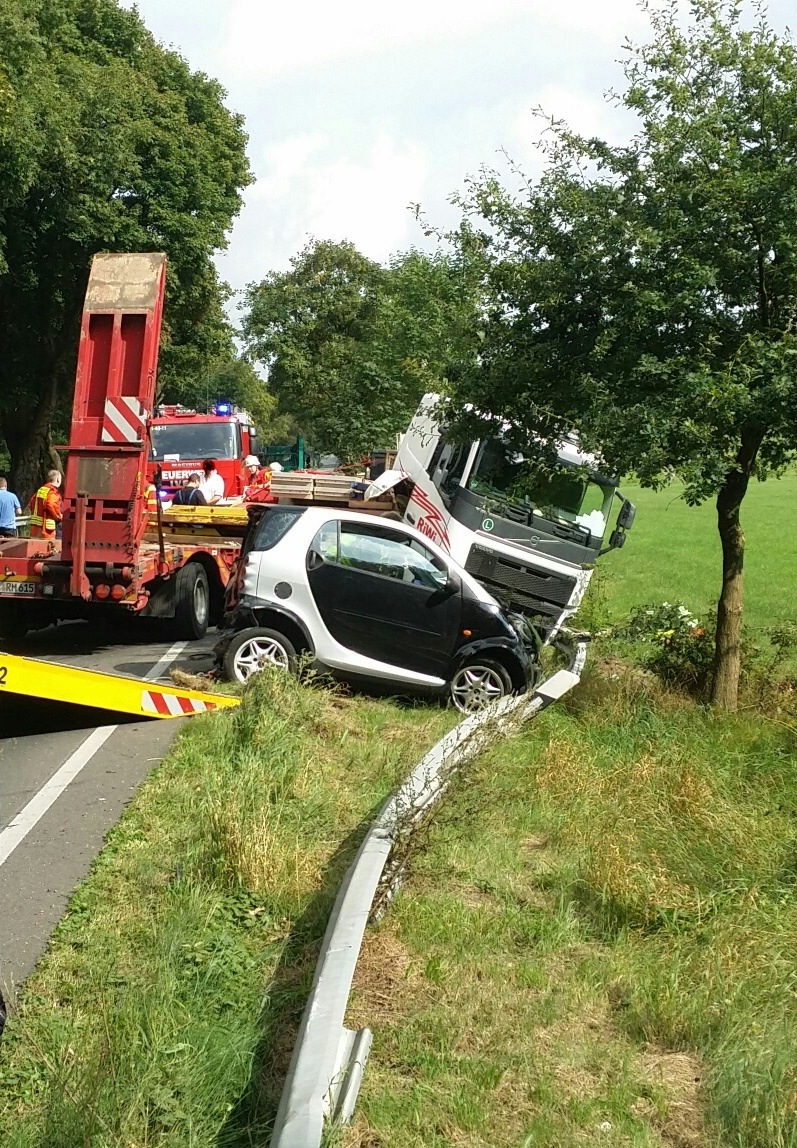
(151, 498)
(45, 507)
(258, 480)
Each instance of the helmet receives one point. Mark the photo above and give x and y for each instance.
(275, 467)
(251, 460)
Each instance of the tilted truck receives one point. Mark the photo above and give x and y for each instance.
(116, 554)
(534, 551)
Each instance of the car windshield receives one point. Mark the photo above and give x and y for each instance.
(183, 441)
(570, 495)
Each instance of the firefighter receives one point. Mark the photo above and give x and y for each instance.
(151, 499)
(45, 508)
(257, 480)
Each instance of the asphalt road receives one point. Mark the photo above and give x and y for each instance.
(73, 757)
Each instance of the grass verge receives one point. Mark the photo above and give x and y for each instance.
(597, 946)
(164, 1011)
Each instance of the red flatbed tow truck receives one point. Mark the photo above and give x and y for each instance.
(116, 553)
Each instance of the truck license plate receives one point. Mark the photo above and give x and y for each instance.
(18, 588)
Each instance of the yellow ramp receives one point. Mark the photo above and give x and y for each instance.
(52, 682)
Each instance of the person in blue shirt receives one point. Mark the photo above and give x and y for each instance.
(9, 509)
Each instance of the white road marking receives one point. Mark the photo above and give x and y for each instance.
(17, 830)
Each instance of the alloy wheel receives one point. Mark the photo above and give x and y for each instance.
(258, 653)
(475, 686)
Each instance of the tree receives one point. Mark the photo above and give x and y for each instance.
(350, 346)
(648, 294)
(228, 378)
(108, 141)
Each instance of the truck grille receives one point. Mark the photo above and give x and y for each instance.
(525, 583)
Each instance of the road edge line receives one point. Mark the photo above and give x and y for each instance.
(31, 814)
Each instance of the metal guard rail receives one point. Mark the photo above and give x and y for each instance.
(329, 1059)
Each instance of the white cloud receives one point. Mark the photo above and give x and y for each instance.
(309, 189)
(270, 40)
(366, 201)
(266, 40)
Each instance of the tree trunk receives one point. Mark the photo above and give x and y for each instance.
(29, 445)
(727, 651)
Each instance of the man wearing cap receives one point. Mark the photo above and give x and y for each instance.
(212, 488)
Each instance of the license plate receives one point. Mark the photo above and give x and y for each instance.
(18, 588)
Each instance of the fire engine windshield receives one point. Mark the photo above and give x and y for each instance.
(570, 495)
(183, 441)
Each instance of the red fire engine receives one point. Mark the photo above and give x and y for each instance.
(115, 553)
(181, 439)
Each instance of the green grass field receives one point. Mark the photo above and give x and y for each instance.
(594, 945)
(673, 553)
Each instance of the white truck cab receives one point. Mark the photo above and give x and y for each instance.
(532, 543)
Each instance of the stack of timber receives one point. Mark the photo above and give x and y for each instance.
(303, 486)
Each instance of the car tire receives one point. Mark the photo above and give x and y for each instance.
(255, 649)
(191, 602)
(478, 683)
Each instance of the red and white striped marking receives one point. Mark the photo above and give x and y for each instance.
(431, 521)
(124, 420)
(172, 705)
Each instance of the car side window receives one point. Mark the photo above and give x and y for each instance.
(325, 543)
(375, 550)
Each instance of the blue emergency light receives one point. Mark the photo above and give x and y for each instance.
(223, 408)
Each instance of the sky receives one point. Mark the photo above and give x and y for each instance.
(357, 109)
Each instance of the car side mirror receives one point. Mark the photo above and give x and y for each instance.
(617, 540)
(625, 519)
(452, 584)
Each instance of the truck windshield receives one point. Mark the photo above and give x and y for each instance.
(570, 496)
(195, 441)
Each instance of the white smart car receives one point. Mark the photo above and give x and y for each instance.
(368, 599)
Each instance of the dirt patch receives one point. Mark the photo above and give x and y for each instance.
(385, 982)
(678, 1075)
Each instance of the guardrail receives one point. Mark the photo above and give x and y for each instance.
(329, 1060)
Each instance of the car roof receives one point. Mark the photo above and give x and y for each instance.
(322, 514)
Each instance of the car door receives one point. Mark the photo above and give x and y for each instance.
(383, 594)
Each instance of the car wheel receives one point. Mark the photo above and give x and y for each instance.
(191, 602)
(255, 649)
(479, 682)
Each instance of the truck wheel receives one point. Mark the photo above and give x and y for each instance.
(479, 682)
(256, 649)
(191, 602)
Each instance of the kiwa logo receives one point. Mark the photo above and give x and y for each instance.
(431, 523)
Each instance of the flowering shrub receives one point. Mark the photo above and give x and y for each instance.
(680, 646)
(649, 623)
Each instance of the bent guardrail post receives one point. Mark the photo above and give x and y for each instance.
(329, 1059)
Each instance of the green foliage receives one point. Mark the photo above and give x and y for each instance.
(677, 647)
(350, 346)
(647, 294)
(228, 378)
(108, 141)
